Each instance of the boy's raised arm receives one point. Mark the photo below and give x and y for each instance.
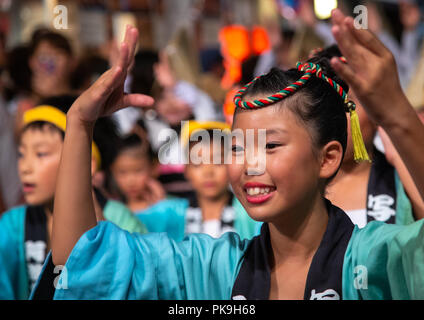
(371, 71)
(73, 212)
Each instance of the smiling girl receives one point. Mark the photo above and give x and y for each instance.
(307, 249)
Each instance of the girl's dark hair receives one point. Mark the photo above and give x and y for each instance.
(133, 141)
(88, 69)
(316, 104)
(53, 38)
(142, 72)
(19, 71)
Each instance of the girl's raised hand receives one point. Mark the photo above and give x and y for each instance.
(107, 94)
(371, 72)
(371, 69)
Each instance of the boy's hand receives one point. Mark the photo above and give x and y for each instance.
(107, 95)
(371, 70)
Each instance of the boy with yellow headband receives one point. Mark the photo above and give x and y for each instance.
(25, 231)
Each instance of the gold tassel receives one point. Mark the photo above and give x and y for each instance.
(359, 151)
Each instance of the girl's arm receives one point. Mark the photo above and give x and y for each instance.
(73, 212)
(371, 72)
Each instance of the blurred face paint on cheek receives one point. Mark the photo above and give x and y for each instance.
(38, 164)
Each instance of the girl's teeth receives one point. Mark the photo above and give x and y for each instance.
(256, 191)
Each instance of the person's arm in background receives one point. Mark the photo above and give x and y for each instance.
(73, 212)
(411, 190)
(371, 72)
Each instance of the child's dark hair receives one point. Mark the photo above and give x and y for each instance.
(316, 104)
(133, 141)
(142, 72)
(55, 39)
(210, 133)
(105, 133)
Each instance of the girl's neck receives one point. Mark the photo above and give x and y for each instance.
(48, 208)
(212, 207)
(137, 205)
(298, 236)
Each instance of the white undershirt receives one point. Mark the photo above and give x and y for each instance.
(212, 227)
(358, 217)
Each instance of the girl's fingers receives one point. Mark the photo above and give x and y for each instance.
(337, 17)
(157, 189)
(366, 38)
(131, 38)
(122, 61)
(345, 72)
(137, 100)
(127, 34)
(104, 86)
(132, 44)
(348, 45)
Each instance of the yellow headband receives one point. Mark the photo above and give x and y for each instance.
(57, 118)
(191, 126)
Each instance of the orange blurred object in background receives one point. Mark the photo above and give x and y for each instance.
(238, 44)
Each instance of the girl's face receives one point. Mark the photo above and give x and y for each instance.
(48, 60)
(291, 175)
(172, 109)
(38, 163)
(209, 180)
(131, 172)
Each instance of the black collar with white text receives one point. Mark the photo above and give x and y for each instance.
(324, 280)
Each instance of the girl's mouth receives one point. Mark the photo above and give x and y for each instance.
(28, 187)
(257, 193)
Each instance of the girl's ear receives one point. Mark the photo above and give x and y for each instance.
(155, 169)
(331, 157)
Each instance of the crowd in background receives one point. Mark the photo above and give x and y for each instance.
(47, 66)
(187, 85)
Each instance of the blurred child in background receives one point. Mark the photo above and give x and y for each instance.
(50, 62)
(25, 231)
(134, 169)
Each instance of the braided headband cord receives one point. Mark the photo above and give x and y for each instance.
(310, 69)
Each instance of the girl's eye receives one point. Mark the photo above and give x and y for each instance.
(20, 154)
(272, 145)
(236, 148)
(41, 154)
